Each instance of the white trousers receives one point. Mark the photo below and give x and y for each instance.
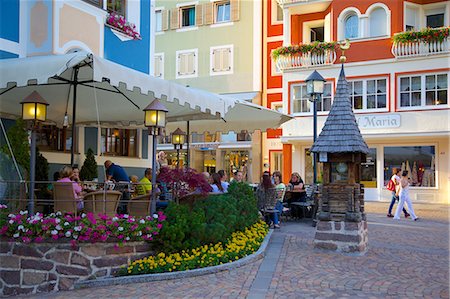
(404, 197)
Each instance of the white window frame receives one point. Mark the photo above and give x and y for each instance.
(310, 112)
(161, 55)
(182, 6)
(211, 60)
(423, 105)
(177, 70)
(158, 11)
(216, 4)
(427, 9)
(364, 94)
(388, 19)
(274, 10)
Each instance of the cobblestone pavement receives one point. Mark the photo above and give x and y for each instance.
(405, 259)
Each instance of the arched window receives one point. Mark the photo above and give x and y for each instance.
(378, 22)
(351, 26)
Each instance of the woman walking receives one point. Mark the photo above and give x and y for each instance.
(394, 186)
(404, 197)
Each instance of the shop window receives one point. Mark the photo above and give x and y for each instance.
(117, 6)
(368, 94)
(419, 161)
(276, 161)
(222, 10)
(188, 16)
(187, 63)
(369, 169)
(351, 25)
(221, 60)
(301, 100)
(52, 138)
(119, 142)
(424, 90)
(236, 161)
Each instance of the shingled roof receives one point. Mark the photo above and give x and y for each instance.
(340, 133)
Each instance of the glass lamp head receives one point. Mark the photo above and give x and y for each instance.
(155, 115)
(34, 107)
(315, 84)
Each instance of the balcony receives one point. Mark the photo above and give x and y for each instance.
(304, 6)
(421, 43)
(304, 56)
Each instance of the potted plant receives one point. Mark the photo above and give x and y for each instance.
(426, 35)
(119, 23)
(313, 48)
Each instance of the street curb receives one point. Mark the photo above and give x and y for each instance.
(180, 274)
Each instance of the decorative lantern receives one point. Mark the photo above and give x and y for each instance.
(178, 138)
(315, 84)
(155, 115)
(34, 107)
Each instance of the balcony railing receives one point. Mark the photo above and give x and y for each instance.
(305, 60)
(420, 48)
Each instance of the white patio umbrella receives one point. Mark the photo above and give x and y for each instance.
(94, 91)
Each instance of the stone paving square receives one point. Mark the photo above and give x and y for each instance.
(405, 259)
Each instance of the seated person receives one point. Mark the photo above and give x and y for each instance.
(134, 183)
(217, 185)
(65, 174)
(145, 184)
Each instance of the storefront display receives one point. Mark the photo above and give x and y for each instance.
(236, 161)
(420, 158)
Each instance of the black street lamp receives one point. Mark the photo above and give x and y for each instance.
(314, 88)
(34, 110)
(155, 121)
(178, 138)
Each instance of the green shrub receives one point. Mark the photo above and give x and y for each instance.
(209, 220)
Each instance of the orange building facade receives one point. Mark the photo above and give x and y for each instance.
(399, 88)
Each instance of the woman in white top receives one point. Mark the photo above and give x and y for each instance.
(404, 197)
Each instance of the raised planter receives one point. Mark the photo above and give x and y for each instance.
(48, 267)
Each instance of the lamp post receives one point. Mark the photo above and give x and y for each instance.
(155, 120)
(34, 110)
(314, 88)
(178, 138)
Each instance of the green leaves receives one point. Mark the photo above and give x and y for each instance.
(313, 48)
(425, 35)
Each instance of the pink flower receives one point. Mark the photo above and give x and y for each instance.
(159, 225)
(38, 239)
(55, 237)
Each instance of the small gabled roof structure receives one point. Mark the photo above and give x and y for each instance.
(340, 133)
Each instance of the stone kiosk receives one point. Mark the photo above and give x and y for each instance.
(342, 224)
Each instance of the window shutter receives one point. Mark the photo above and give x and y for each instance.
(190, 63)
(234, 10)
(199, 15)
(226, 59)
(209, 13)
(158, 66)
(181, 64)
(216, 60)
(165, 20)
(174, 19)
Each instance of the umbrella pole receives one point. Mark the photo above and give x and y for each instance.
(188, 152)
(74, 110)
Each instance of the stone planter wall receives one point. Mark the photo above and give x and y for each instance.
(48, 267)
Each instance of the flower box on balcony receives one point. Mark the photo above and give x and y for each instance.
(426, 42)
(121, 28)
(425, 35)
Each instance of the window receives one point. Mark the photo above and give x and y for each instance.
(369, 169)
(378, 22)
(159, 65)
(368, 94)
(351, 26)
(279, 13)
(158, 20)
(317, 34)
(188, 16)
(187, 64)
(119, 142)
(418, 160)
(117, 6)
(424, 90)
(309, 170)
(435, 20)
(276, 161)
(411, 18)
(52, 138)
(222, 12)
(301, 100)
(221, 60)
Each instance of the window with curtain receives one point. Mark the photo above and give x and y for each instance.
(378, 22)
(301, 103)
(119, 142)
(424, 90)
(52, 138)
(368, 94)
(188, 16)
(351, 24)
(222, 12)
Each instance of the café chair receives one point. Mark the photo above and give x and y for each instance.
(139, 206)
(102, 202)
(64, 198)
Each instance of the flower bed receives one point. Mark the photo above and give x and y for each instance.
(120, 23)
(24, 228)
(425, 35)
(313, 48)
(239, 245)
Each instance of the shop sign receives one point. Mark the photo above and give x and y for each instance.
(378, 121)
(205, 146)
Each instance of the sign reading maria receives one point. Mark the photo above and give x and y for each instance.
(378, 121)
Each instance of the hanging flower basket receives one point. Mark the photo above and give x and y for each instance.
(119, 23)
(427, 35)
(313, 48)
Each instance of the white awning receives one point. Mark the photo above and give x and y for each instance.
(112, 94)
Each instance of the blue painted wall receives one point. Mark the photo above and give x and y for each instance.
(5, 55)
(9, 20)
(46, 46)
(133, 53)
